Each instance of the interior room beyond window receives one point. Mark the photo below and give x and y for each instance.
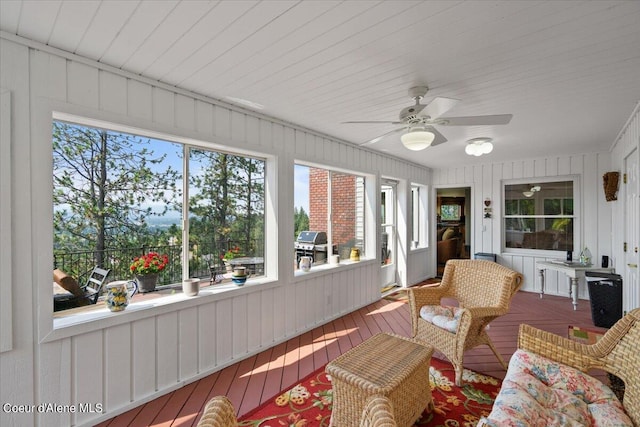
(539, 215)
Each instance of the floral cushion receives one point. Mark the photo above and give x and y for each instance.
(442, 316)
(537, 391)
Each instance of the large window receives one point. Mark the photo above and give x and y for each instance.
(117, 196)
(330, 205)
(539, 215)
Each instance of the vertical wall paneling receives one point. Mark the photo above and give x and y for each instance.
(188, 327)
(143, 357)
(225, 329)
(88, 353)
(82, 85)
(266, 318)
(113, 92)
(167, 350)
(6, 280)
(487, 180)
(222, 122)
(204, 118)
(185, 112)
(254, 314)
(158, 349)
(139, 100)
(624, 146)
(238, 130)
(117, 367)
(209, 342)
(163, 106)
(253, 130)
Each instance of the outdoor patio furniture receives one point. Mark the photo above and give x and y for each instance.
(90, 291)
(483, 290)
(388, 366)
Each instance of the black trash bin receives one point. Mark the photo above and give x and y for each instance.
(605, 293)
(485, 255)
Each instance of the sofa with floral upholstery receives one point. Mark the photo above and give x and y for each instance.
(547, 383)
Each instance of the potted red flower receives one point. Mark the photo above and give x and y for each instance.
(146, 269)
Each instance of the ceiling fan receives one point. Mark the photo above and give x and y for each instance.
(419, 120)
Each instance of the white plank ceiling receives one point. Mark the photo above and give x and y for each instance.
(568, 71)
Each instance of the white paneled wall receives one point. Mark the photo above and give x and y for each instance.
(594, 229)
(123, 362)
(627, 143)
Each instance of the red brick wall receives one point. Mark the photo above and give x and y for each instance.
(343, 201)
(318, 201)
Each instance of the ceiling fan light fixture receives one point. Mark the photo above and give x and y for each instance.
(532, 191)
(417, 139)
(478, 146)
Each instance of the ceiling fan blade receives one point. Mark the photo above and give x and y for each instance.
(437, 107)
(498, 119)
(393, 123)
(379, 138)
(439, 138)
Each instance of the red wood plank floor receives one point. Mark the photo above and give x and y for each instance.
(252, 381)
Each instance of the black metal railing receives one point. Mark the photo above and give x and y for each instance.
(79, 264)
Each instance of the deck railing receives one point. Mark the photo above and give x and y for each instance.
(79, 264)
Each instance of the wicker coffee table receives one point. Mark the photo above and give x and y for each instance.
(384, 365)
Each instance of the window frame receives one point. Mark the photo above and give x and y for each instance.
(419, 207)
(369, 240)
(577, 206)
(55, 326)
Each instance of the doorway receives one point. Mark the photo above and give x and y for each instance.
(388, 237)
(453, 219)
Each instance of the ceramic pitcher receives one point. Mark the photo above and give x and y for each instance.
(305, 263)
(119, 294)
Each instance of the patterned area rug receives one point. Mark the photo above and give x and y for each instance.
(309, 403)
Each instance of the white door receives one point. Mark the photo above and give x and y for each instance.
(631, 281)
(388, 237)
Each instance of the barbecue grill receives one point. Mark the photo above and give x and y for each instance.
(312, 244)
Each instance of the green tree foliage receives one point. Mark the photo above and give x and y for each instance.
(226, 202)
(104, 183)
(301, 220)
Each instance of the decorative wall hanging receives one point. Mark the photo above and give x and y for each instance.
(610, 182)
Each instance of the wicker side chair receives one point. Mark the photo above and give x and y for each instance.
(483, 290)
(378, 412)
(617, 352)
(218, 412)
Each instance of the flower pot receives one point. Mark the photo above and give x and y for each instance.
(147, 282)
(191, 287)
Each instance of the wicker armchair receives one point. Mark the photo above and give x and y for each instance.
(218, 412)
(617, 352)
(483, 290)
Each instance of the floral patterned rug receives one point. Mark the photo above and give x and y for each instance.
(309, 403)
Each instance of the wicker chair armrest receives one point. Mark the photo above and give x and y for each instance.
(378, 412)
(478, 312)
(419, 297)
(555, 347)
(218, 412)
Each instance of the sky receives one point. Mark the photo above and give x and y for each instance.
(301, 187)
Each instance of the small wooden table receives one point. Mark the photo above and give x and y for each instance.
(384, 365)
(574, 272)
